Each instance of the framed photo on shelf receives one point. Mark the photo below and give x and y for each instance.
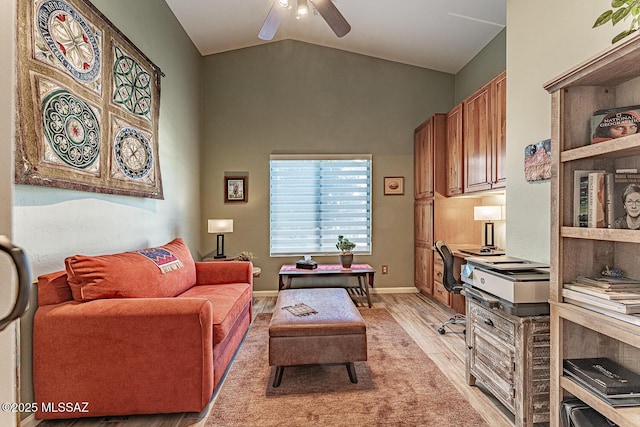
(393, 185)
(235, 189)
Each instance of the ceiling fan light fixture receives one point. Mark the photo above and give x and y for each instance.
(283, 3)
(303, 8)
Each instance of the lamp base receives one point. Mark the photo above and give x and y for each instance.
(220, 246)
(488, 235)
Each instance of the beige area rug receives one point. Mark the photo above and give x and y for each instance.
(398, 385)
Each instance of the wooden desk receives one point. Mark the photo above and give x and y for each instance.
(364, 273)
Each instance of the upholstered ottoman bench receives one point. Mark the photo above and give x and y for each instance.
(332, 331)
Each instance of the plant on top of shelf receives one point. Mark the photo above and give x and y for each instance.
(621, 9)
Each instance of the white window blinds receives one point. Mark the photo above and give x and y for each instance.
(313, 199)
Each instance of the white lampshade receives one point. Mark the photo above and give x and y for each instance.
(487, 213)
(220, 226)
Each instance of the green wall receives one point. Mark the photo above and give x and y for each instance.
(294, 97)
(51, 224)
(487, 64)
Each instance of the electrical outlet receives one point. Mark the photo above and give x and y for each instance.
(385, 269)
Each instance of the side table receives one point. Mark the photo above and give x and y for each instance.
(256, 270)
(364, 273)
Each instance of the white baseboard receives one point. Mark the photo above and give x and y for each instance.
(403, 290)
(265, 293)
(387, 290)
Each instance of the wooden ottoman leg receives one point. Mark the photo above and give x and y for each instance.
(351, 369)
(278, 379)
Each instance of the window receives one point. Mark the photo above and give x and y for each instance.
(316, 198)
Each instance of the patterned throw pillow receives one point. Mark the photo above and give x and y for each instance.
(165, 271)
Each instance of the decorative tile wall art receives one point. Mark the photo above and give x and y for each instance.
(537, 161)
(88, 103)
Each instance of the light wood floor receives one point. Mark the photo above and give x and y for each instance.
(420, 317)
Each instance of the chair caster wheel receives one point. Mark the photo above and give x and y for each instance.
(441, 331)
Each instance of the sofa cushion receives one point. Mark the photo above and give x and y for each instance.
(228, 300)
(165, 271)
(53, 288)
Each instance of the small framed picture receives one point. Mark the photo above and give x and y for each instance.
(393, 185)
(235, 189)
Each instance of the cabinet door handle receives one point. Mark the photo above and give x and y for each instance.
(488, 322)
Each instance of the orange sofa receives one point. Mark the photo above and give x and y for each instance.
(140, 332)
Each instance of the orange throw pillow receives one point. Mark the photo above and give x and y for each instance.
(164, 271)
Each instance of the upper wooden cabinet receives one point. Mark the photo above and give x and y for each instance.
(423, 160)
(500, 136)
(484, 137)
(454, 151)
(429, 137)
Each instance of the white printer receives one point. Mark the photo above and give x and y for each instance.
(517, 286)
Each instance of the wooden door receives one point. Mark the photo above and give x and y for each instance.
(423, 255)
(477, 140)
(423, 158)
(423, 269)
(499, 177)
(454, 151)
(423, 222)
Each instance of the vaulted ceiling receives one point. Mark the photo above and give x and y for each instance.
(436, 34)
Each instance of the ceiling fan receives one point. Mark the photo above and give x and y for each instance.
(325, 8)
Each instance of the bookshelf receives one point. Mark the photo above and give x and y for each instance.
(609, 79)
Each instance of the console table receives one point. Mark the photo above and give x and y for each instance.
(364, 273)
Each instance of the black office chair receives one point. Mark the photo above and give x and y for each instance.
(450, 283)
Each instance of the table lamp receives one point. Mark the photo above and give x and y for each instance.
(220, 226)
(488, 214)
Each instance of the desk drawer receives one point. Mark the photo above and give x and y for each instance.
(492, 322)
(440, 293)
(493, 363)
(438, 269)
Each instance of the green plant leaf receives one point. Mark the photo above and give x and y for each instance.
(635, 10)
(603, 18)
(620, 14)
(621, 36)
(617, 3)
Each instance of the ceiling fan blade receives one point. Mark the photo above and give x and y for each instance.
(272, 21)
(332, 15)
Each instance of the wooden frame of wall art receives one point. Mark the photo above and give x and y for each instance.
(393, 185)
(235, 189)
(88, 103)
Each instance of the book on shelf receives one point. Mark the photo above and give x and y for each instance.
(580, 197)
(601, 199)
(603, 293)
(596, 216)
(619, 306)
(574, 412)
(610, 283)
(604, 375)
(615, 400)
(612, 123)
(626, 190)
(629, 318)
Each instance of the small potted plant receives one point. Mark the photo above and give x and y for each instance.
(345, 246)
